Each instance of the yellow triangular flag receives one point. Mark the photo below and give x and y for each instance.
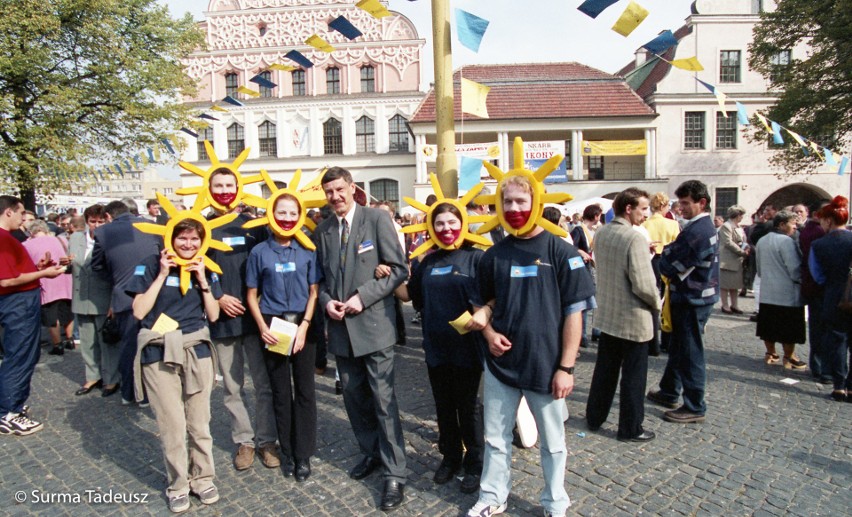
(157, 153)
(144, 157)
(720, 96)
(765, 122)
(816, 149)
(319, 44)
(283, 68)
(632, 16)
(473, 97)
(374, 7)
(797, 138)
(689, 64)
(216, 107)
(248, 91)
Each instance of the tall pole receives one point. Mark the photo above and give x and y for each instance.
(446, 164)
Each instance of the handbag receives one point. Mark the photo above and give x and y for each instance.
(110, 332)
(845, 303)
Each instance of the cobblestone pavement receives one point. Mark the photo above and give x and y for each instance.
(766, 449)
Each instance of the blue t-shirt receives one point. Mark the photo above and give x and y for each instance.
(536, 282)
(283, 275)
(444, 286)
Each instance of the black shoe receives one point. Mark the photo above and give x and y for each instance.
(85, 391)
(110, 391)
(593, 428)
(753, 317)
(445, 472)
(338, 388)
(364, 468)
(392, 496)
(69, 344)
(57, 350)
(287, 466)
(303, 470)
(470, 483)
(646, 436)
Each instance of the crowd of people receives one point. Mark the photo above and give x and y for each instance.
(157, 321)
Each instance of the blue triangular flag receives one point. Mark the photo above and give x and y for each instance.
(742, 115)
(661, 43)
(776, 133)
(262, 81)
(843, 163)
(127, 164)
(295, 55)
(208, 117)
(168, 145)
(469, 170)
(470, 29)
(119, 169)
(189, 132)
(231, 100)
(595, 7)
(136, 161)
(345, 27)
(829, 157)
(708, 86)
(151, 155)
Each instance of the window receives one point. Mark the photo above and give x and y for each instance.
(729, 66)
(204, 134)
(236, 140)
(267, 140)
(596, 167)
(726, 130)
(693, 130)
(261, 29)
(332, 80)
(365, 135)
(264, 91)
(298, 82)
(368, 79)
(332, 137)
(726, 197)
(168, 191)
(232, 81)
(780, 65)
(385, 190)
(398, 134)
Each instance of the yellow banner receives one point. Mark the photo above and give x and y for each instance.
(615, 148)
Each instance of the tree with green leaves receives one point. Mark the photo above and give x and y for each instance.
(814, 87)
(82, 80)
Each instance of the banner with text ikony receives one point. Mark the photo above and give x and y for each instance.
(537, 153)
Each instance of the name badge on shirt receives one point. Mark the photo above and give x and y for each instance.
(139, 271)
(442, 270)
(365, 246)
(234, 241)
(576, 263)
(523, 271)
(172, 281)
(287, 267)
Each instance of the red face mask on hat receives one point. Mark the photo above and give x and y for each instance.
(448, 237)
(286, 225)
(517, 219)
(224, 198)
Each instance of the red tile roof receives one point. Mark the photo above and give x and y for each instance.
(543, 91)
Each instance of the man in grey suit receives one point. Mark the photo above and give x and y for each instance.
(628, 299)
(90, 301)
(362, 326)
(119, 248)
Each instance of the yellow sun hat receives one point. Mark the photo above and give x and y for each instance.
(205, 198)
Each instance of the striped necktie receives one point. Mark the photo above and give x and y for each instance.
(344, 239)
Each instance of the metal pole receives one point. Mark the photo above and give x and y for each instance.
(446, 164)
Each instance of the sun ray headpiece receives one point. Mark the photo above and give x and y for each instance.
(167, 233)
(205, 198)
(428, 226)
(539, 195)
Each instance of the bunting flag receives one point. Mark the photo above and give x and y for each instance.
(127, 166)
(151, 155)
(473, 97)
(248, 91)
(119, 169)
(776, 133)
(816, 149)
(218, 108)
(469, 172)
(320, 44)
(829, 157)
(661, 43)
(136, 161)
(231, 100)
(707, 85)
(295, 55)
(742, 115)
(345, 27)
(843, 163)
(689, 64)
(208, 117)
(144, 157)
(283, 68)
(632, 16)
(796, 137)
(169, 146)
(593, 8)
(189, 132)
(721, 98)
(156, 155)
(763, 121)
(374, 7)
(262, 81)
(471, 29)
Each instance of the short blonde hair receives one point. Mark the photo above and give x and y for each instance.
(520, 181)
(659, 201)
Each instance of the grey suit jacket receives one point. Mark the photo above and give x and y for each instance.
(91, 291)
(372, 241)
(627, 292)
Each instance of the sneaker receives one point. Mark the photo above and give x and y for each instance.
(269, 456)
(143, 405)
(19, 424)
(179, 503)
(682, 416)
(657, 398)
(244, 458)
(481, 509)
(125, 402)
(209, 496)
(794, 363)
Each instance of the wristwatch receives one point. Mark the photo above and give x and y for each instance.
(567, 369)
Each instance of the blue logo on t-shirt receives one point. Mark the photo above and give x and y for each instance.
(287, 267)
(523, 271)
(234, 241)
(576, 263)
(173, 281)
(442, 270)
(214, 277)
(140, 271)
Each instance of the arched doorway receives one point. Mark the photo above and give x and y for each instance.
(804, 193)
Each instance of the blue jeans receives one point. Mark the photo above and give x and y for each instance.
(816, 329)
(501, 409)
(685, 368)
(20, 317)
(837, 344)
(129, 332)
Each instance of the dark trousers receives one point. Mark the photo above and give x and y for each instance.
(295, 404)
(400, 322)
(818, 363)
(837, 345)
(459, 411)
(316, 335)
(685, 370)
(129, 331)
(20, 317)
(370, 401)
(631, 360)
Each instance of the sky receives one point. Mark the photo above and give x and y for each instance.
(526, 31)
